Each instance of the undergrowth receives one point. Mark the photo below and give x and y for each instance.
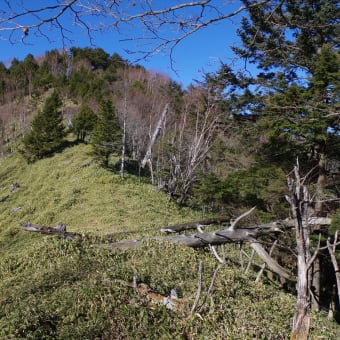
(53, 288)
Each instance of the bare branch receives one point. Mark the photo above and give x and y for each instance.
(209, 289)
(269, 261)
(199, 287)
(239, 218)
(161, 26)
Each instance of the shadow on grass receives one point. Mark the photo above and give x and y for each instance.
(132, 167)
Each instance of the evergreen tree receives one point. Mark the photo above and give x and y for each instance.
(294, 44)
(107, 134)
(84, 123)
(47, 130)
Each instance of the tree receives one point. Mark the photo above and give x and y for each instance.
(47, 130)
(153, 21)
(295, 46)
(30, 66)
(107, 134)
(186, 144)
(84, 123)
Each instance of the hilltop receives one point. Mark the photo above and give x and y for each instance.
(55, 288)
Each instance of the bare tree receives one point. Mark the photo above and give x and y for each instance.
(185, 145)
(299, 201)
(161, 25)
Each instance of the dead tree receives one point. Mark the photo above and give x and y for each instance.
(299, 202)
(153, 138)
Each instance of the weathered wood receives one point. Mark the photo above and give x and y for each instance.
(298, 200)
(201, 240)
(219, 237)
(59, 229)
(194, 225)
(225, 236)
(288, 223)
(270, 262)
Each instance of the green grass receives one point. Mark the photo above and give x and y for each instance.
(86, 199)
(52, 288)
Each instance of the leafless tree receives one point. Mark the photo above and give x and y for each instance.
(185, 144)
(300, 201)
(161, 26)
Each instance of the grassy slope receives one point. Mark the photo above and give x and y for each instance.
(54, 288)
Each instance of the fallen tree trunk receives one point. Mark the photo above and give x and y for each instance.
(200, 240)
(59, 229)
(315, 222)
(223, 236)
(220, 237)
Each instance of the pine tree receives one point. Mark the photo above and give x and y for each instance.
(84, 123)
(47, 131)
(295, 45)
(107, 135)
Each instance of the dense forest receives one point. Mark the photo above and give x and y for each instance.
(219, 147)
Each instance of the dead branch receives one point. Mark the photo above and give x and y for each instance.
(239, 218)
(209, 289)
(263, 266)
(199, 288)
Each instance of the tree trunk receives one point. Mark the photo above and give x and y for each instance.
(122, 162)
(301, 321)
(299, 207)
(321, 182)
(332, 249)
(147, 157)
(316, 288)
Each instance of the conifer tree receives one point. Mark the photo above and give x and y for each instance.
(107, 135)
(84, 123)
(47, 130)
(295, 46)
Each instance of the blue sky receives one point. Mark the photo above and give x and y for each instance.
(199, 53)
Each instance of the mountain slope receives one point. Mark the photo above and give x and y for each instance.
(55, 288)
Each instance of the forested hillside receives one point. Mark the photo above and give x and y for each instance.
(117, 152)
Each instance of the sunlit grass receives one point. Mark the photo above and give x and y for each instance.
(54, 288)
(85, 198)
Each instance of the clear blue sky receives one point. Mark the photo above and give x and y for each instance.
(199, 53)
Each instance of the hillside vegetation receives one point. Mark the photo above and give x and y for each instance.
(51, 287)
(115, 152)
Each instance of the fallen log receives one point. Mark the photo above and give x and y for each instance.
(219, 237)
(314, 222)
(59, 229)
(223, 236)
